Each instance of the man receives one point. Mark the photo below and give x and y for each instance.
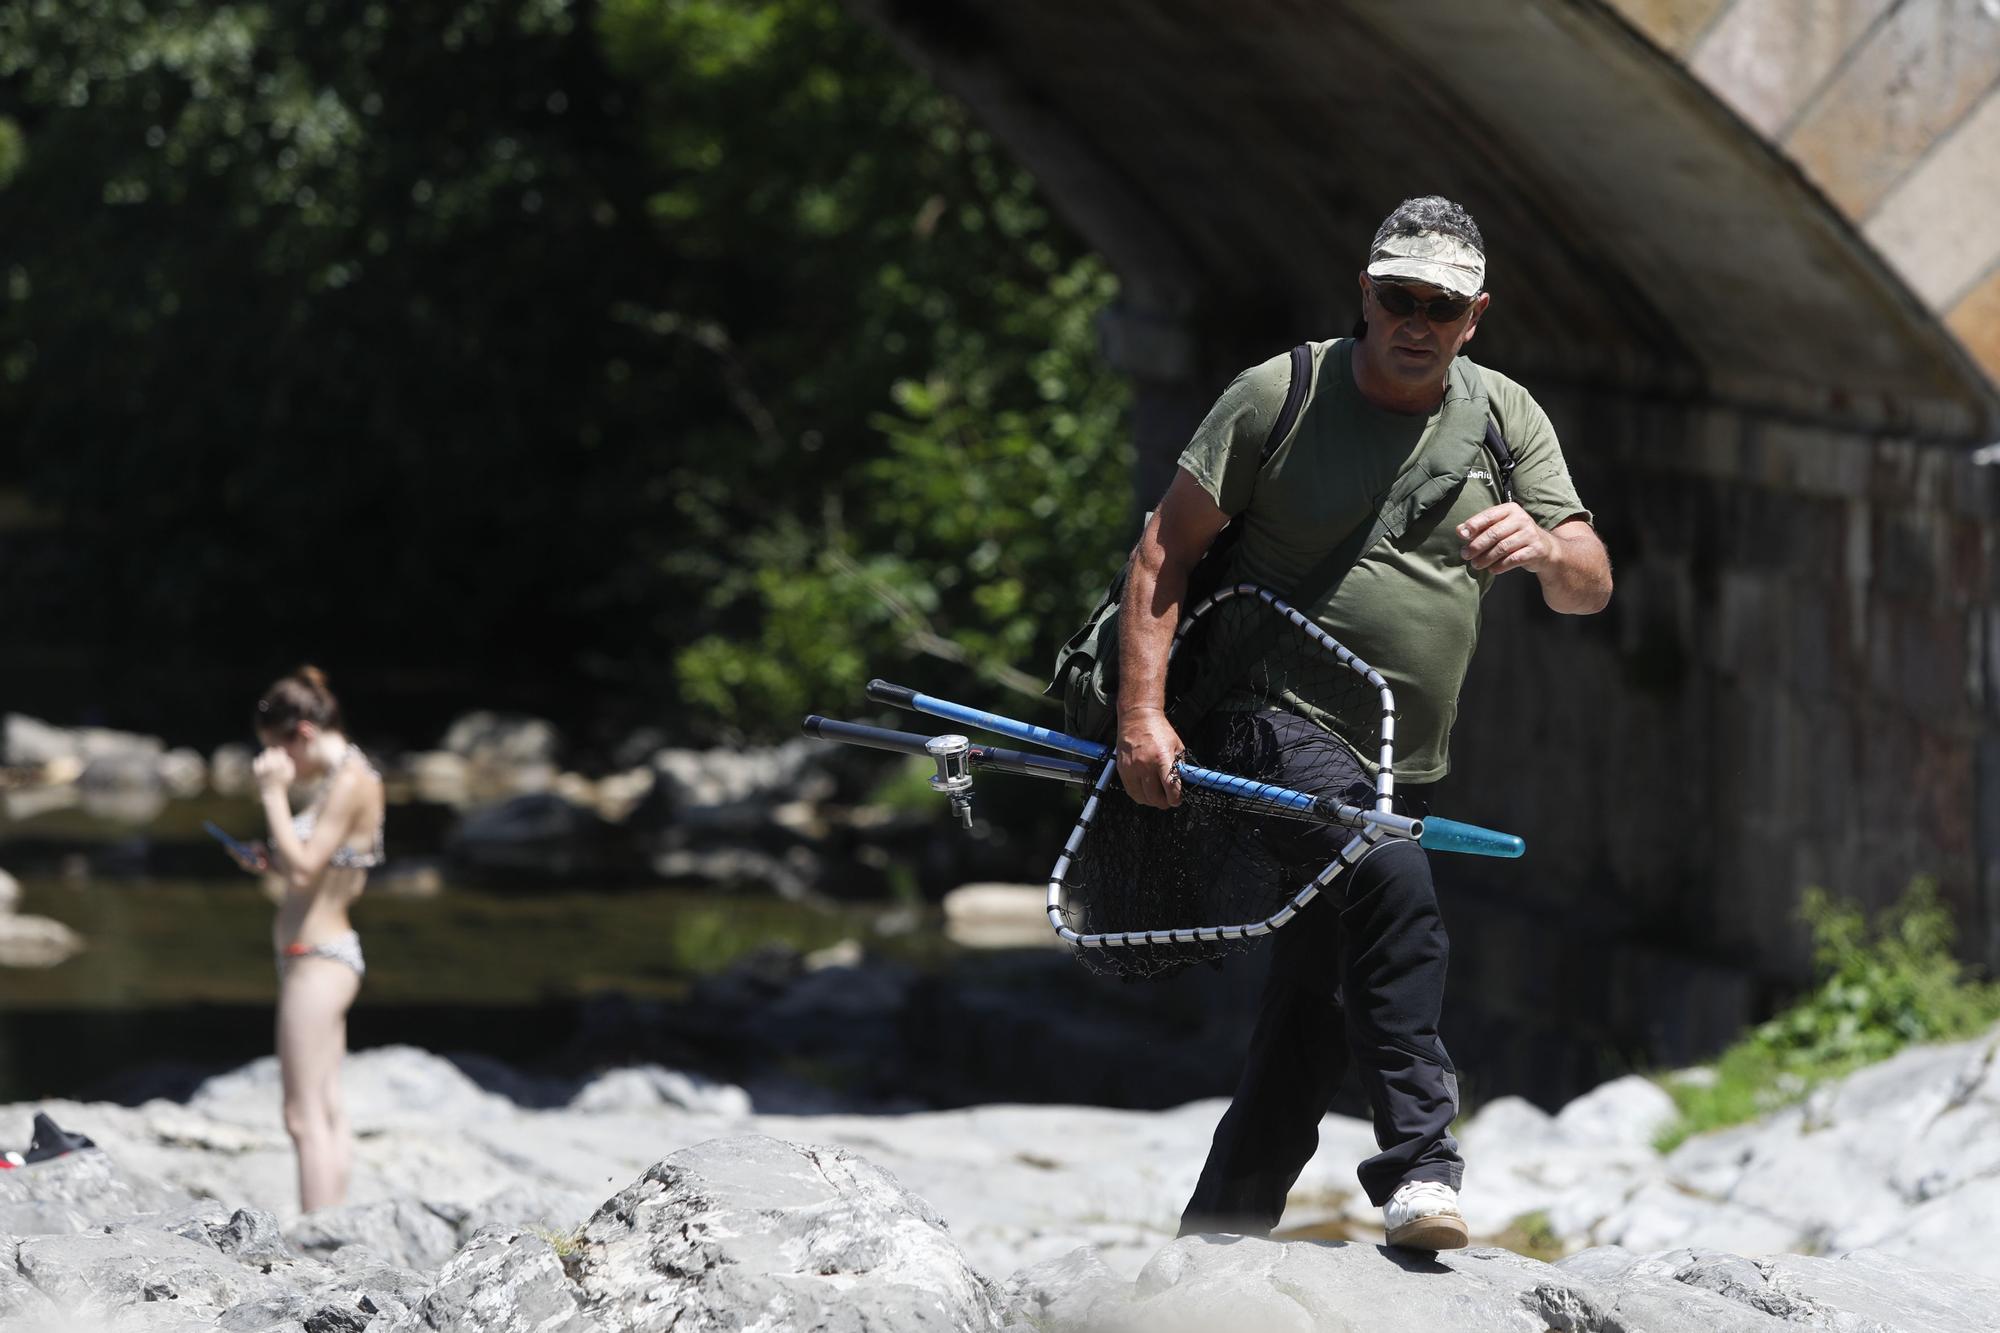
(1361, 972)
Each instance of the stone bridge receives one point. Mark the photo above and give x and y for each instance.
(1744, 251)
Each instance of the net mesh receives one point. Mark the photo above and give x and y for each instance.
(1269, 692)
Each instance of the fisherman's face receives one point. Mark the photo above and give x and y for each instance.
(1416, 345)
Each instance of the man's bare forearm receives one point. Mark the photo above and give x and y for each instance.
(1147, 618)
(1576, 580)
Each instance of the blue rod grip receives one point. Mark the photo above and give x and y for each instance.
(1448, 835)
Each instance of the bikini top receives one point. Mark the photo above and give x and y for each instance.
(303, 823)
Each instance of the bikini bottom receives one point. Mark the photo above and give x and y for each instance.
(344, 948)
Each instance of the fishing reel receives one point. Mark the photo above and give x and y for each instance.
(953, 754)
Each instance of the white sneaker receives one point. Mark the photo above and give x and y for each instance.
(1423, 1215)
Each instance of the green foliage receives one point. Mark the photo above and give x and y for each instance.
(967, 514)
(311, 324)
(1879, 990)
(13, 151)
(976, 539)
(706, 939)
(1534, 1235)
(685, 359)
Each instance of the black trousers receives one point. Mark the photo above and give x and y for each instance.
(1358, 976)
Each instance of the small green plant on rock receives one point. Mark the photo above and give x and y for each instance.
(1879, 990)
(1533, 1235)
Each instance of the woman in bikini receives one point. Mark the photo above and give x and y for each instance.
(320, 858)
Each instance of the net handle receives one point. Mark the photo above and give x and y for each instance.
(1281, 800)
(983, 756)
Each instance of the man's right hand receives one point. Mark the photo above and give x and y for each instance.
(1148, 748)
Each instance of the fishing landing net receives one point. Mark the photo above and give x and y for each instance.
(1264, 694)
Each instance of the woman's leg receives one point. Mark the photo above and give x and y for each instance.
(312, 1036)
(340, 1135)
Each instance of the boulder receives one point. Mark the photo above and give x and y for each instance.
(754, 1230)
(503, 740)
(101, 1274)
(735, 788)
(183, 772)
(542, 835)
(999, 916)
(404, 1232)
(75, 1192)
(27, 742)
(229, 770)
(99, 758)
(134, 805)
(792, 874)
(1210, 1285)
(439, 777)
(1627, 1112)
(21, 804)
(36, 941)
(527, 1206)
(505, 753)
(501, 1282)
(385, 1087)
(648, 1086)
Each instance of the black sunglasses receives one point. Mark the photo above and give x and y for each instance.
(1402, 302)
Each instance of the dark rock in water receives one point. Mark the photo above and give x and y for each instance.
(539, 836)
(1033, 1026)
(1004, 1025)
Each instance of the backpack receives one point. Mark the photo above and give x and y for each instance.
(1085, 681)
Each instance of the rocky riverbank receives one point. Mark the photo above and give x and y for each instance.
(507, 798)
(649, 1199)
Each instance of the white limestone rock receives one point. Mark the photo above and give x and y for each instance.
(644, 1086)
(754, 1233)
(1624, 1113)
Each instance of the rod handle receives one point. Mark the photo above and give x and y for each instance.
(874, 738)
(882, 692)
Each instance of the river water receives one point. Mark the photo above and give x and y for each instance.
(176, 976)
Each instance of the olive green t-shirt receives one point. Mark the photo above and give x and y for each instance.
(1410, 607)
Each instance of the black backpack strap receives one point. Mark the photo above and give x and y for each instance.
(1503, 458)
(1099, 635)
(1295, 397)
